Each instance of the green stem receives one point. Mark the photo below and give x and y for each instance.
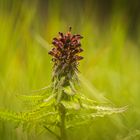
(62, 122)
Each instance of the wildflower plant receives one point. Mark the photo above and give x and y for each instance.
(61, 105)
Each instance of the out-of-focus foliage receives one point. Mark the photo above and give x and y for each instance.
(110, 69)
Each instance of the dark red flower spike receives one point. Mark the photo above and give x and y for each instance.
(65, 52)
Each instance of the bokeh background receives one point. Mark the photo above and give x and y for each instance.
(110, 69)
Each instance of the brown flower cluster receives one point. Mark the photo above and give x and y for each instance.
(67, 48)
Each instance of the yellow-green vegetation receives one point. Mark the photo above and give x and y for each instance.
(109, 71)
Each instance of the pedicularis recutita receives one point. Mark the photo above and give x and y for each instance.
(61, 105)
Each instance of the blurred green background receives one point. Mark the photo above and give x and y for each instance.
(110, 69)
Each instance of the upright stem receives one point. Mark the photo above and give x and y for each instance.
(62, 110)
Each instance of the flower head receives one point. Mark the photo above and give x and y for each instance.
(66, 52)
